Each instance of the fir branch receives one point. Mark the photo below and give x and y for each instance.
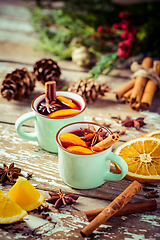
(104, 65)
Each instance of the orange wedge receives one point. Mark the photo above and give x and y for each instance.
(64, 113)
(155, 133)
(70, 139)
(25, 194)
(9, 210)
(79, 150)
(67, 102)
(142, 156)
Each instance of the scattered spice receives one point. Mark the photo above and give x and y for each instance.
(8, 173)
(59, 199)
(136, 123)
(106, 125)
(116, 118)
(43, 208)
(29, 175)
(120, 132)
(148, 189)
(152, 194)
(45, 215)
(92, 135)
(150, 184)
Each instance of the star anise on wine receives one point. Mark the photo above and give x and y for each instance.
(48, 106)
(8, 173)
(93, 136)
(59, 199)
(136, 123)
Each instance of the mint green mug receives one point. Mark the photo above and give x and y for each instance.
(87, 171)
(47, 127)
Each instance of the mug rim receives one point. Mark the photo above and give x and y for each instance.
(45, 116)
(85, 122)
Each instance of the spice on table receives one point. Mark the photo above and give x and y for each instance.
(125, 88)
(129, 208)
(8, 173)
(136, 123)
(150, 184)
(59, 199)
(112, 208)
(140, 83)
(151, 87)
(144, 83)
(152, 194)
(147, 189)
(29, 175)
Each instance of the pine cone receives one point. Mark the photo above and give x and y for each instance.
(18, 84)
(89, 89)
(47, 70)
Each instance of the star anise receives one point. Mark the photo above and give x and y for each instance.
(8, 173)
(59, 199)
(48, 106)
(136, 123)
(92, 135)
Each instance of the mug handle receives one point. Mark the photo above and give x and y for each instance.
(20, 121)
(121, 163)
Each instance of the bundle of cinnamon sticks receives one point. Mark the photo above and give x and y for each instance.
(140, 90)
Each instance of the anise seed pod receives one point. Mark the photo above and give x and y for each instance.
(89, 89)
(18, 84)
(46, 70)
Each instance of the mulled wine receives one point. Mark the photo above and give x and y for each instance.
(61, 107)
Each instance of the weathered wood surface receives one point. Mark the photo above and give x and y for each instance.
(16, 51)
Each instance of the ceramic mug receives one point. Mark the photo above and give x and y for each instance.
(47, 127)
(87, 171)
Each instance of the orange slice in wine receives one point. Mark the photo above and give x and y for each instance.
(67, 102)
(64, 113)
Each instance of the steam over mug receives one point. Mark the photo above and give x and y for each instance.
(87, 171)
(47, 127)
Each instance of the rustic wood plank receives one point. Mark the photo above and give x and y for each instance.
(31, 158)
(17, 51)
(67, 223)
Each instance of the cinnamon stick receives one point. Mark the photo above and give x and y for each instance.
(112, 208)
(151, 88)
(106, 143)
(141, 82)
(125, 88)
(50, 90)
(129, 208)
(127, 96)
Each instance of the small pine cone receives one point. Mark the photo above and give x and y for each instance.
(18, 84)
(47, 70)
(89, 89)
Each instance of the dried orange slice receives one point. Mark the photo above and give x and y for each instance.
(9, 210)
(142, 156)
(79, 150)
(67, 102)
(25, 194)
(64, 113)
(155, 133)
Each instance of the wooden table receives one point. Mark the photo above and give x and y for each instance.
(16, 51)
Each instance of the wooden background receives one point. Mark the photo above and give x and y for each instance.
(17, 42)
